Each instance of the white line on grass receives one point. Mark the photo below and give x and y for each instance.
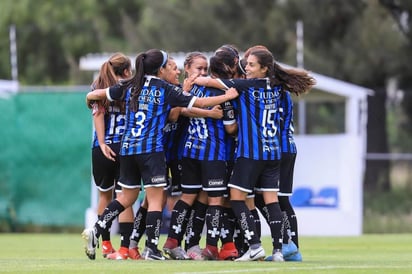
(297, 268)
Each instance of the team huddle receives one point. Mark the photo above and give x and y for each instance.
(219, 145)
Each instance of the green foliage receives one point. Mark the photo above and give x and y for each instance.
(388, 212)
(356, 41)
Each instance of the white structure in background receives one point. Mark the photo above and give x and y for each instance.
(333, 161)
(8, 88)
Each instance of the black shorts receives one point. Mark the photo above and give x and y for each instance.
(209, 176)
(149, 168)
(105, 171)
(287, 165)
(250, 175)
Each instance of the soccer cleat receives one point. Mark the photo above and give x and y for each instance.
(210, 253)
(195, 252)
(228, 252)
(170, 243)
(149, 254)
(277, 256)
(252, 255)
(289, 249)
(121, 254)
(177, 253)
(134, 253)
(297, 257)
(107, 248)
(91, 242)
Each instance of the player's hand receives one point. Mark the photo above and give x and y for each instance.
(108, 152)
(232, 93)
(216, 112)
(190, 81)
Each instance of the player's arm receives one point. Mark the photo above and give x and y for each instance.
(215, 113)
(204, 102)
(111, 93)
(229, 118)
(95, 95)
(209, 82)
(99, 125)
(174, 114)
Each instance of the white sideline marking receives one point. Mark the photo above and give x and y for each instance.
(297, 268)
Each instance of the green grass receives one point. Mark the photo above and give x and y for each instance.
(64, 253)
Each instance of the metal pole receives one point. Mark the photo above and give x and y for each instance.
(13, 53)
(300, 64)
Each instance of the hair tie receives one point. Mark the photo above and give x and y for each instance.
(165, 57)
(242, 69)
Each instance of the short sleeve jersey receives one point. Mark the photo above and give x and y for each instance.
(205, 139)
(144, 127)
(174, 138)
(115, 124)
(258, 118)
(286, 123)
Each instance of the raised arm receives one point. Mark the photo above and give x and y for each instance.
(204, 102)
(209, 82)
(215, 113)
(95, 95)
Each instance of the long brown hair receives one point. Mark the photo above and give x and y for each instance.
(297, 81)
(109, 73)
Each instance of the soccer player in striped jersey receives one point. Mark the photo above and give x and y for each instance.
(170, 73)
(189, 211)
(109, 123)
(173, 140)
(287, 164)
(259, 153)
(289, 228)
(148, 101)
(225, 64)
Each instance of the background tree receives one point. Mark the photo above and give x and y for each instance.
(366, 42)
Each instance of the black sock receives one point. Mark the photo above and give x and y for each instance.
(228, 226)
(256, 217)
(153, 224)
(125, 230)
(139, 225)
(213, 224)
(178, 221)
(106, 219)
(105, 233)
(246, 221)
(285, 228)
(195, 224)
(275, 224)
(285, 206)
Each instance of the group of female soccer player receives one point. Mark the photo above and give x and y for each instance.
(226, 139)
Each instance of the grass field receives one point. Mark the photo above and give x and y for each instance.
(64, 253)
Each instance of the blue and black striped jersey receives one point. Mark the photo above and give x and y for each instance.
(144, 127)
(231, 144)
(286, 123)
(205, 138)
(174, 138)
(258, 118)
(115, 124)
